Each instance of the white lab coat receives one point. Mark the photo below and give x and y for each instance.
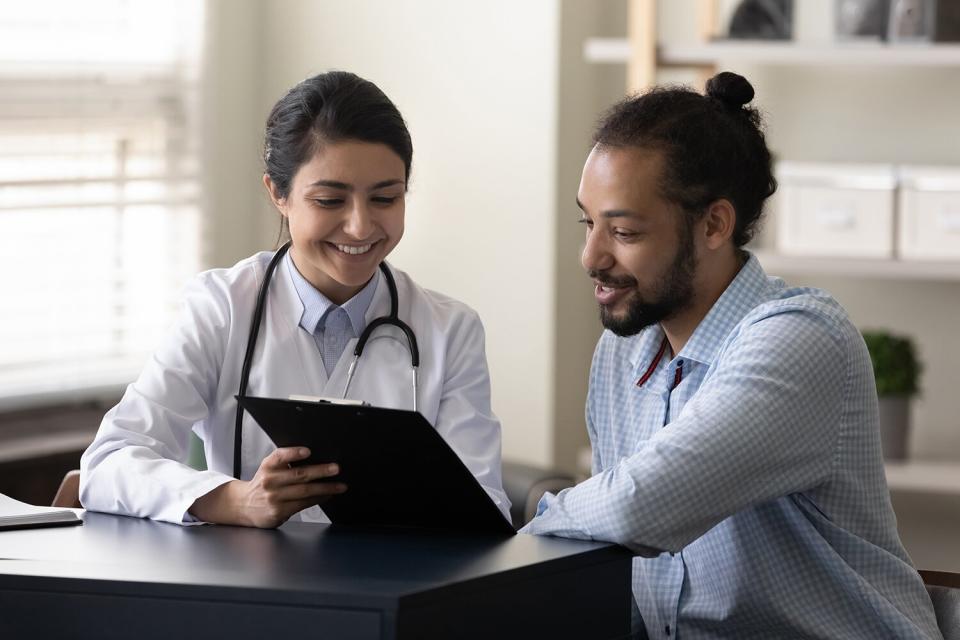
(135, 465)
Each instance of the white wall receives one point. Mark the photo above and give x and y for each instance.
(232, 131)
(477, 84)
(585, 90)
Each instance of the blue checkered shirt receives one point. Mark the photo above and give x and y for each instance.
(332, 326)
(746, 474)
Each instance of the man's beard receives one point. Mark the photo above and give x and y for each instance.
(671, 293)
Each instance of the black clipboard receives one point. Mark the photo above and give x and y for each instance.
(398, 470)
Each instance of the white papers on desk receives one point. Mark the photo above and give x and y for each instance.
(19, 515)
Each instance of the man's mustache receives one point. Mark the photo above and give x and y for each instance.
(607, 280)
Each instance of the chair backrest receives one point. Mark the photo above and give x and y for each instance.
(944, 590)
(525, 485)
(68, 495)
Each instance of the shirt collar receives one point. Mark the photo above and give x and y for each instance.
(741, 295)
(646, 347)
(316, 305)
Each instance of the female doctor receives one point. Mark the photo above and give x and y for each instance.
(337, 160)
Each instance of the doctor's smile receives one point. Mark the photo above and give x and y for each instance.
(345, 209)
(353, 250)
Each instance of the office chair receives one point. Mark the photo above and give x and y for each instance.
(68, 495)
(944, 590)
(525, 485)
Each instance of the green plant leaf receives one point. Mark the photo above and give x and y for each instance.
(895, 364)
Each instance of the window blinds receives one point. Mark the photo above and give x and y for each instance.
(99, 189)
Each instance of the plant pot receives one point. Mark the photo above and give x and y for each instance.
(894, 426)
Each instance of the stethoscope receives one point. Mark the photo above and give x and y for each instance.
(393, 320)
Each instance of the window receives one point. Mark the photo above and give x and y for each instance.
(99, 189)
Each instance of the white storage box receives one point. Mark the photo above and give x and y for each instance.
(841, 210)
(929, 213)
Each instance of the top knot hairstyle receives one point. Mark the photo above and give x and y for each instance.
(732, 90)
(330, 107)
(713, 146)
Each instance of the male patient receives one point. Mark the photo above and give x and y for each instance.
(733, 420)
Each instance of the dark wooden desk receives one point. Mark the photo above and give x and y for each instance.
(117, 577)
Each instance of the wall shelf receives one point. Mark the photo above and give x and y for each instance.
(890, 269)
(918, 476)
(617, 50)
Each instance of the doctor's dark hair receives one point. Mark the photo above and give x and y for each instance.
(328, 108)
(713, 146)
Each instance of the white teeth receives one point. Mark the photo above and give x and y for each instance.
(352, 250)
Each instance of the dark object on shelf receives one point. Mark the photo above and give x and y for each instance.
(912, 20)
(763, 20)
(924, 21)
(861, 19)
(948, 21)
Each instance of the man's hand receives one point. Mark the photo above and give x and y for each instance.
(276, 492)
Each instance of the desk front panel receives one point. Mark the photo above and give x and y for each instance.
(349, 584)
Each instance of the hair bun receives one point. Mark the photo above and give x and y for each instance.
(731, 89)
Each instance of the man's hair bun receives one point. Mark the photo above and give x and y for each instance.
(731, 89)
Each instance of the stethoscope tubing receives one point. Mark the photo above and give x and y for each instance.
(392, 320)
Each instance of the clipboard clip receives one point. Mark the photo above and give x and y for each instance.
(320, 400)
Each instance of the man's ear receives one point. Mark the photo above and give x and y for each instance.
(719, 223)
(278, 201)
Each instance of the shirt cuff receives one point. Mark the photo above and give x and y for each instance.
(209, 481)
(540, 524)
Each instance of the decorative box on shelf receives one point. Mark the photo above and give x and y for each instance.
(929, 213)
(836, 209)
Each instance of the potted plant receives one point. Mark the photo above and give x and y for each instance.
(897, 371)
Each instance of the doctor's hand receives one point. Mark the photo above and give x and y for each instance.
(276, 492)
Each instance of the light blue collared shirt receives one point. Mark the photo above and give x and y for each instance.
(747, 472)
(331, 325)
